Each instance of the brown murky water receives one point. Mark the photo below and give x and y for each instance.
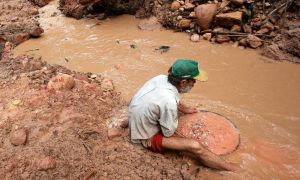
(261, 97)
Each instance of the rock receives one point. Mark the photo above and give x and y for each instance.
(18, 137)
(184, 23)
(254, 42)
(94, 76)
(269, 26)
(114, 132)
(40, 2)
(235, 44)
(195, 38)
(75, 11)
(189, 6)
(149, 24)
(222, 38)
(205, 14)
(61, 82)
(207, 36)
(229, 19)
(236, 28)
(179, 18)
(19, 38)
(192, 14)
(263, 31)
(36, 32)
(31, 65)
(237, 2)
(46, 163)
(107, 85)
(85, 1)
(175, 5)
(243, 42)
(247, 28)
(33, 11)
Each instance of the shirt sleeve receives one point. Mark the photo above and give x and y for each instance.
(168, 118)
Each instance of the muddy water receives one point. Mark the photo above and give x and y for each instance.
(261, 97)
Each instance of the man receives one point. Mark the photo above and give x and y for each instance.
(153, 114)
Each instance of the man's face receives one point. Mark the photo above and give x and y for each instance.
(186, 85)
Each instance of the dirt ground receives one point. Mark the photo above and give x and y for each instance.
(55, 123)
(59, 128)
(54, 133)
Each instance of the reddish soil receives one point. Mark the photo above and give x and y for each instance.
(59, 124)
(61, 131)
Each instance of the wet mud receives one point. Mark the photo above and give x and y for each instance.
(18, 22)
(54, 124)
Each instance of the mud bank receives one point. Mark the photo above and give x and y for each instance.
(268, 24)
(18, 21)
(54, 124)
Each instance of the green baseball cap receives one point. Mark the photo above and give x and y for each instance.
(186, 68)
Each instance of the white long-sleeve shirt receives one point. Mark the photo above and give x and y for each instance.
(154, 109)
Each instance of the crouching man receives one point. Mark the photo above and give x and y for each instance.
(153, 114)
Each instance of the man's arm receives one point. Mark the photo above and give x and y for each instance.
(182, 107)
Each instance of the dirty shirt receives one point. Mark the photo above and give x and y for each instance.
(153, 109)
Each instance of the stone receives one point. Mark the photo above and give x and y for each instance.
(222, 38)
(207, 36)
(247, 28)
(189, 6)
(179, 18)
(33, 11)
(195, 38)
(107, 85)
(149, 24)
(269, 26)
(267, 4)
(94, 76)
(205, 14)
(18, 137)
(85, 1)
(184, 23)
(192, 14)
(175, 5)
(229, 19)
(243, 42)
(36, 32)
(263, 31)
(237, 2)
(254, 42)
(61, 82)
(235, 44)
(46, 163)
(114, 132)
(19, 38)
(236, 28)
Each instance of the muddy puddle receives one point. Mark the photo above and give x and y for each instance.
(260, 96)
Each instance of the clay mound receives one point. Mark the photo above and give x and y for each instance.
(214, 131)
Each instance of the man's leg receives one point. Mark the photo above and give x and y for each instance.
(205, 156)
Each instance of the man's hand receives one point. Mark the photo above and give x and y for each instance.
(187, 110)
